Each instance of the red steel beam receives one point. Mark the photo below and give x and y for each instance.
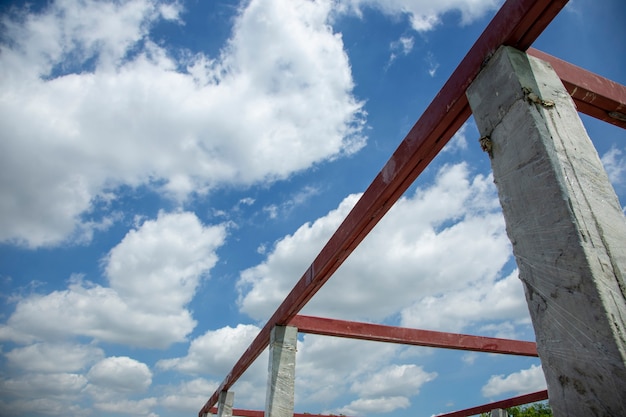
(517, 24)
(257, 413)
(594, 95)
(414, 337)
(511, 402)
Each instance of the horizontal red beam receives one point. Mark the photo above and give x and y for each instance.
(257, 413)
(511, 402)
(517, 24)
(594, 95)
(414, 337)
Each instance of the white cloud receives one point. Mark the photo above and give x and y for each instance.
(215, 352)
(134, 407)
(41, 406)
(381, 388)
(404, 45)
(433, 64)
(328, 366)
(170, 254)
(614, 162)
(445, 239)
(375, 405)
(394, 380)
(423, 15)
(120, 374)
(153, 275)
(53, 358)
(254, 113)
(483, 300)
(298, 199)
(188, 396)
(264, 286)
(54, 386)
(459, 140)
(522, 382)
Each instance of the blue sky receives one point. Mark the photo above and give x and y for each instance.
(168, 170)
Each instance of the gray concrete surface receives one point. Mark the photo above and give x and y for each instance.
(567, 229)
(282, 372)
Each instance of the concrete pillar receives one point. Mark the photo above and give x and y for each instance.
(567, 229)
(282, 372)
(499, 413)
(225, 404)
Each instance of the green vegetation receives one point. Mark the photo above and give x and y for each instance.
(533, 410)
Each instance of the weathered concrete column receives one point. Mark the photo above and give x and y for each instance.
(567, 229)
(282, 372)
(499, 413)
(225, 404)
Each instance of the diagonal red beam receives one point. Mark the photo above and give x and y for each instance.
(517, 24)
(594, 95)
(414, 337)
(508, 403)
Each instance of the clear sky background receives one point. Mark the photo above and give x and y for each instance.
(168, 170)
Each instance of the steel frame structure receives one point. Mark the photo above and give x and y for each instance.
(518, 23)
(412, 337)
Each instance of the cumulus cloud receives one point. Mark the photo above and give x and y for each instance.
(153, 274)
(120, 374)
(394, 380)
(90, 103)
(383, 388)
(170, 254)
(375, 405)
(331, 368)
(133, 407)
(517, 383)
(485, 300)
(434, 242)
(187, 396)
(264, 286)
(53, 358)
(57, 386)
(423, 15)
(215, 352)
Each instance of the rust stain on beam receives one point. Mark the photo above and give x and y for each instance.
(414, 337)
(517, 24)
(593, 94)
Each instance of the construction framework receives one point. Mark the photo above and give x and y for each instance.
(518, 23)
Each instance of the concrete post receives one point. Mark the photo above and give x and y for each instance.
(567, 229)
(225, 404)
(499, 413)
(282, 372)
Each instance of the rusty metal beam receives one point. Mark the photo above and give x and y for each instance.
(508, 403)
(414, 337)
(517, 24)
(257, 413)
(594, 95)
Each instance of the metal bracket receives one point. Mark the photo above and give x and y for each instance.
(534, 98)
